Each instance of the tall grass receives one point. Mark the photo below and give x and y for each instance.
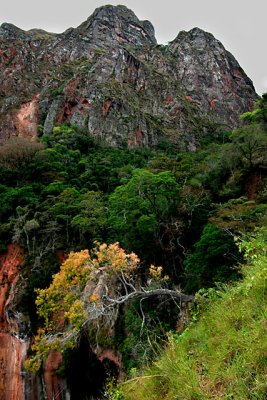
(221, 356)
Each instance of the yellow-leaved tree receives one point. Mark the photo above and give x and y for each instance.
(89, 287)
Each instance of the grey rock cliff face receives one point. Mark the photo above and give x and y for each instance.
(211, 75)
(110, 24)
(110, 77)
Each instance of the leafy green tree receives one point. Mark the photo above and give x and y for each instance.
(25, 227)
(71, 137)
(12, 197)
(105, 167)
(212, 259)
(140, 210)
(259, 114)
(64, 207)
(250, 145)
(251, 140)
(91, 217)
(239, 216)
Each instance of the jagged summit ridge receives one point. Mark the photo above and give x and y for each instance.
(110, 77)
(117, 23)
(10, 31)
(106, 23)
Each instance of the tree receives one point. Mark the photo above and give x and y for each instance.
(251, 144)
(212, 259)
(18, 153)
(18, 158)
(251, 140)
(90, 219)
(89, 288)
(259, 114)
(140, 210)
(64, 208)
(239, 216)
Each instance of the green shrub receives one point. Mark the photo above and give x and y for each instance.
(223, 354)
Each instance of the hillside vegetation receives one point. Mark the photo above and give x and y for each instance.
(177, 215)
(224, 353)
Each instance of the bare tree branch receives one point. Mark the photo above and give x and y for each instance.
(144, 294)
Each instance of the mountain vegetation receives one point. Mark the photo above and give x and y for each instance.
(222, 352)
(185, 214)
(132, 215)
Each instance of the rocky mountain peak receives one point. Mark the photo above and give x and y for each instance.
(117, 23)
(109, 77)
(197, 41)
(10, 31)
(212, 76)
(114, 13)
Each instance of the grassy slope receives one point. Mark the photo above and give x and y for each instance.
(222, 355)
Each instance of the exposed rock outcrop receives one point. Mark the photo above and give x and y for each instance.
(211, 75)
(55, 387)
(110, 77)
(12, 347)
(15, 382)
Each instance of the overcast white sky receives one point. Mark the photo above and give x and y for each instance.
(239, 24)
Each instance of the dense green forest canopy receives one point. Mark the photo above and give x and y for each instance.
(175, 209)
